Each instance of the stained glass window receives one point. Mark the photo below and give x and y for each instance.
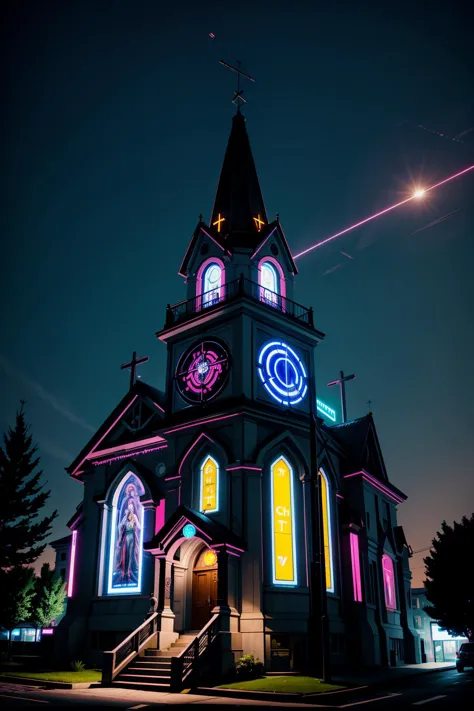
(211, 284)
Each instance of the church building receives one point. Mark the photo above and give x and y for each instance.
(226, 500)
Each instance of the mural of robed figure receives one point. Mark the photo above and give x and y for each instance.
(127, 547)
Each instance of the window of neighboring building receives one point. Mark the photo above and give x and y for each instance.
(62, 573)
(418, 623)
(389, 582)
(63, 556)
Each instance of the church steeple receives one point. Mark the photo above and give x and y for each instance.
(239, 212)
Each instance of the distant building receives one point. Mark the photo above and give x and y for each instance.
(62, 548)
(436, 644)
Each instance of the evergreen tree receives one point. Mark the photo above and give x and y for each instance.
(17, 590)
(450, 584)
(21, 499)
(50, 596)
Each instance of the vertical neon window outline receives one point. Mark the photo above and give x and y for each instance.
(327, 531)
(72, 565)
(125, 561)
(209, 489)
(283, 533)
(355, 562)
(388, 582)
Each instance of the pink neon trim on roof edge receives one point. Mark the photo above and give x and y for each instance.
(73, 473)
(377, 484)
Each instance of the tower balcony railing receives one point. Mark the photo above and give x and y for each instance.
(212, 300)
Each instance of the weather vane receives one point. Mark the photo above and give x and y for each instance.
(238, 98)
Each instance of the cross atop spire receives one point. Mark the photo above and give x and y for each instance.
(238, 99)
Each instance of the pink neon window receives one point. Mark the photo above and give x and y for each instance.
(355, 560)
(388, 582)
(211, 284)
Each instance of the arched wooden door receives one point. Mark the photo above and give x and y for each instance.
(204, 588)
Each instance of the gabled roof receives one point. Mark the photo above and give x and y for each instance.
(212, 531)
(100, 446)
(361, 444)
(202, 232)
(266, 233)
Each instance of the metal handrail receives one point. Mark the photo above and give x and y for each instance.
(184, 310)
(116, 659)
(187, 663)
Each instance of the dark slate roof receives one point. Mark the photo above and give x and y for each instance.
(400, 539)
(61, 541)
(238, 197)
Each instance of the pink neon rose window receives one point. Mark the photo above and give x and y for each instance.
(389, 582)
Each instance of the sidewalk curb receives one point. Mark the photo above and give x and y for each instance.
(396, 679)
(308, 697)
(43, 683)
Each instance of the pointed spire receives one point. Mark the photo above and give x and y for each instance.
(238, 209)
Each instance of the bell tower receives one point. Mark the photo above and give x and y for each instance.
(239, 337)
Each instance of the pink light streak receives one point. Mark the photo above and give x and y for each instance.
(355, 560)
(72, 564)
(381, 212)
(47, 630)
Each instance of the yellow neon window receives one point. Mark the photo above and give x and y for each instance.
(327, 531)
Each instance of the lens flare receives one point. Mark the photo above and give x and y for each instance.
(416, 195)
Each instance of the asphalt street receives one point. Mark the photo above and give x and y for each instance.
(439, 690)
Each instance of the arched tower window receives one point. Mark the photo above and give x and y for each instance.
(283, 529)
(209, 490)
(210, 283)
(389, 582)
(272, 281)
(125, 555)
(327, 534)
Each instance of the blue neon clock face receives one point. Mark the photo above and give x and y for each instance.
(282, 373)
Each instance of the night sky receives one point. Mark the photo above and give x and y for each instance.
(115, 119)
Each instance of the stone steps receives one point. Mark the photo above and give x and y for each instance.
(152, 672)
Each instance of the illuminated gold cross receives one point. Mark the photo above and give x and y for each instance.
(258, 222)
(218, 222)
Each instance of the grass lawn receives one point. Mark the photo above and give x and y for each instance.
(291, 684)
(88, 675)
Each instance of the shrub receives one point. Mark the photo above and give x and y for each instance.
(77, 665)
(250, 667)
